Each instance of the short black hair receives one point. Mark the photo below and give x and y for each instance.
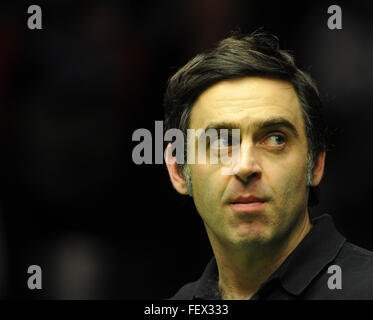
(256, 54)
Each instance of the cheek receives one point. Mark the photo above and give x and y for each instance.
(208, 186)
(286, 177)
(294, 182)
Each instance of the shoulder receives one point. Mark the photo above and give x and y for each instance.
(355, 256)
(356, 265)
(203, 287)
(186, 292)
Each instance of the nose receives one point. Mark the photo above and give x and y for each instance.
(249, 163)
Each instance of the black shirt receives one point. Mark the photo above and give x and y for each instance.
(323, 266)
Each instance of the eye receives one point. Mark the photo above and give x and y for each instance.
(223, 140)
(219, 142)
(274, 140)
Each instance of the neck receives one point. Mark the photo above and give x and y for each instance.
(243, 270)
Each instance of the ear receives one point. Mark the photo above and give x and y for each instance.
(176, 175)
(318, 169)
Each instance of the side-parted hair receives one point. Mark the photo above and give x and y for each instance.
(257, 55)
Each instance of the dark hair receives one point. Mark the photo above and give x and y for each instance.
(257, 54)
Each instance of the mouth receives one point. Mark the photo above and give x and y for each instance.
(248, 204)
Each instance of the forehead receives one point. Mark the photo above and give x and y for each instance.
(245, 101)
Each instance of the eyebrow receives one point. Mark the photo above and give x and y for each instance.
(260, 124)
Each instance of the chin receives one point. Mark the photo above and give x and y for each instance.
(252, 234)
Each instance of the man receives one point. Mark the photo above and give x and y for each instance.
(257, 218)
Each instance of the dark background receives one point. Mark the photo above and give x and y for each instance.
(72, 94)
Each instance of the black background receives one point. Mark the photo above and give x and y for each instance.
(72, 94)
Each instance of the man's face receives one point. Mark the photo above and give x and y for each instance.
(273, 161)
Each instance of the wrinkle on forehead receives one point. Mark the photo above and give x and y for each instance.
(247, 99)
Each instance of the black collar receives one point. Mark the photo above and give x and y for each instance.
(318, 248)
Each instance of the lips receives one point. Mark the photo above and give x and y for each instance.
(247, 199)
(248, 204)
